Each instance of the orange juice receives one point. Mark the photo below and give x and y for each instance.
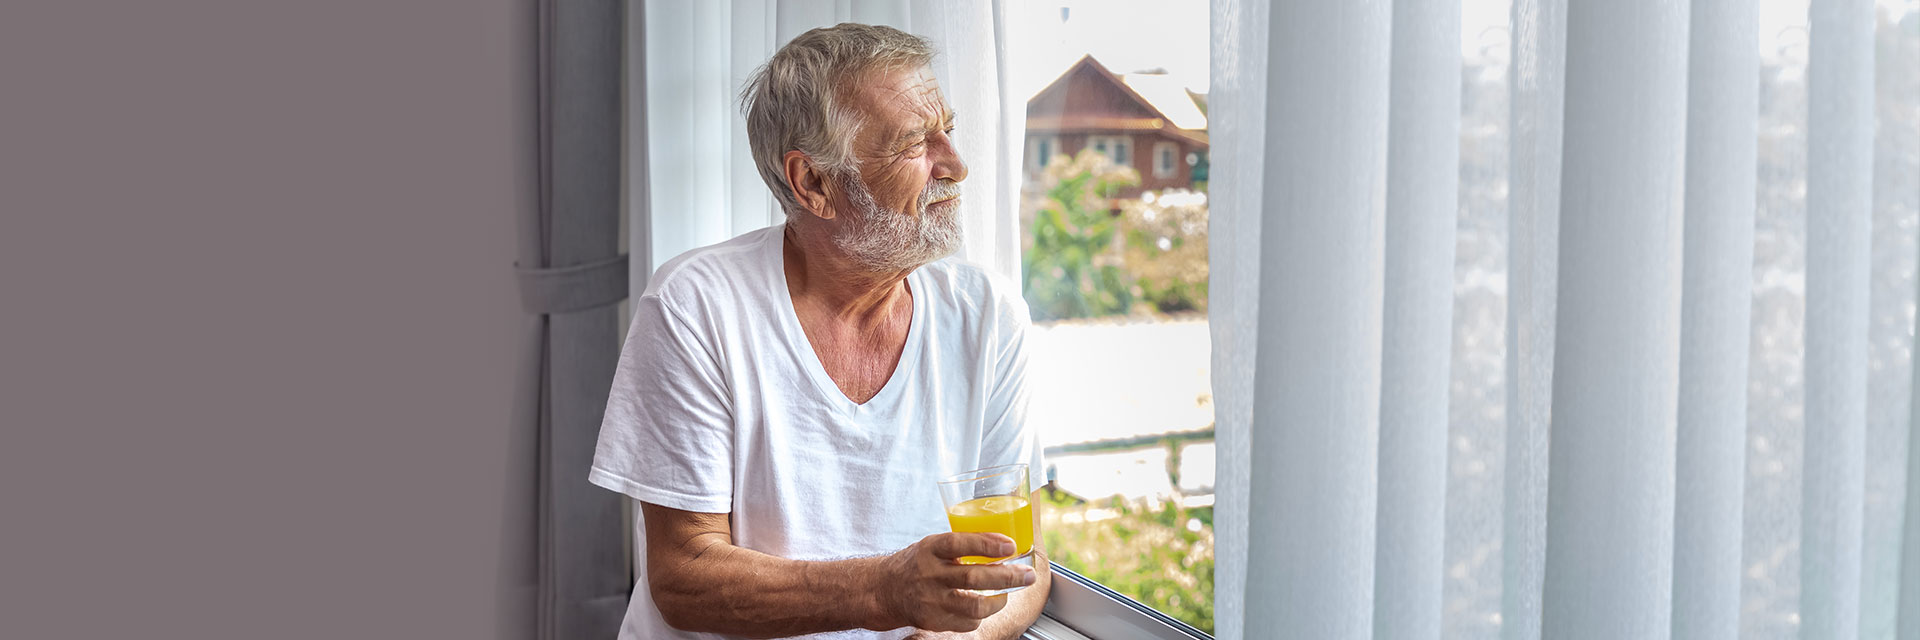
(1011, 516)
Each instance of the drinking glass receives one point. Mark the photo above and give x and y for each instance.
(992, 500)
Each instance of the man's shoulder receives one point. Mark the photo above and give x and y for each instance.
(726, 266)
(974, 287)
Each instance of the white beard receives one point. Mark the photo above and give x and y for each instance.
(881, 239)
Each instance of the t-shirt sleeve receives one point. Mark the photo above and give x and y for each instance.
(1008, 437)
(666, 437)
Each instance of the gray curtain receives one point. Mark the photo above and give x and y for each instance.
(572, 277)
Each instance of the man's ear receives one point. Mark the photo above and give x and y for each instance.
(809, 184)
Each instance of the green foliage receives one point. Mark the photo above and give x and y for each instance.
(1069, 269)
(1166, 250)
(1148, 552)
(1089, 254)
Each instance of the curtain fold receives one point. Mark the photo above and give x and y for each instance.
(1907, 618)
(1314, 461)
(1616, 362)
(1711, 464)
(701, 183)
(1538, 86)
(1423, 178)
(1237, 129)
(1840, 121)
(570, 270)
(1716, 318)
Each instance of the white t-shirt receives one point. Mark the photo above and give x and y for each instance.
(720, 405)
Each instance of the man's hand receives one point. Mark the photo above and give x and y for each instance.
(924, 584)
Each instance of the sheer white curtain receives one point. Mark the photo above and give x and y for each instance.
(691, 179)
(1629, 308)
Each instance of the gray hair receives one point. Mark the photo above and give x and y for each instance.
(796, 100)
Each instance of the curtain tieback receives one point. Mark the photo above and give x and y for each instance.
(573, 288)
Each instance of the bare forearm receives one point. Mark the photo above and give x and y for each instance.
(732, 590)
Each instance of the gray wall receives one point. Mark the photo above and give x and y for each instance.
(258, 329)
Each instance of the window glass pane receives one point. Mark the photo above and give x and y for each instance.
(1115, 272)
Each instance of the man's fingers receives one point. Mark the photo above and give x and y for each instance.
(953, 546)
(992, 576)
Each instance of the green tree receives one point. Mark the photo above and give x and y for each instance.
(1071, 268)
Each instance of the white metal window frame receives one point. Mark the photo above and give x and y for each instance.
(1081, 609)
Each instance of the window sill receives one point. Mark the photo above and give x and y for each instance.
(1081, 609)
(1047, 628)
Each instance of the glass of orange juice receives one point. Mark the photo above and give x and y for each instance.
(992, 500)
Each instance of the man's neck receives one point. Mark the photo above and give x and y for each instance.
(820, 278)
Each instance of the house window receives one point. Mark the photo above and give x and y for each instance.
(1041, 151)
(1119, 149)
(1164, 155)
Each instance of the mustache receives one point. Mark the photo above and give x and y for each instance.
(939, 190)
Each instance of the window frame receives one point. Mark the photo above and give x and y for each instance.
(1170, 152)
(1097, 612)
(1041, 150)
(1119, 149)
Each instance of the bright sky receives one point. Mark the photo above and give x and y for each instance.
(1124, 35)
(1135, 35)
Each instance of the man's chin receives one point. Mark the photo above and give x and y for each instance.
(909, 260)
(916, 260)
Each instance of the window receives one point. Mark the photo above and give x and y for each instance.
(1118, 149)
(1040, 151)
(1163, 159)
(1115, 275)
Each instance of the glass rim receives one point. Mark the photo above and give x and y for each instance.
(984, 473)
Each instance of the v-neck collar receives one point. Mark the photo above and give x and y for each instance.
(810, 359)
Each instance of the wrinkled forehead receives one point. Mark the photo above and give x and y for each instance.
(891, 100)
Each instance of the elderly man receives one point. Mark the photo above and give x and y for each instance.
(787, 400)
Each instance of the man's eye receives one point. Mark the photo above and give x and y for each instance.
(949, 131)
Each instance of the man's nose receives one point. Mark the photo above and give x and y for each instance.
(947, 165)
